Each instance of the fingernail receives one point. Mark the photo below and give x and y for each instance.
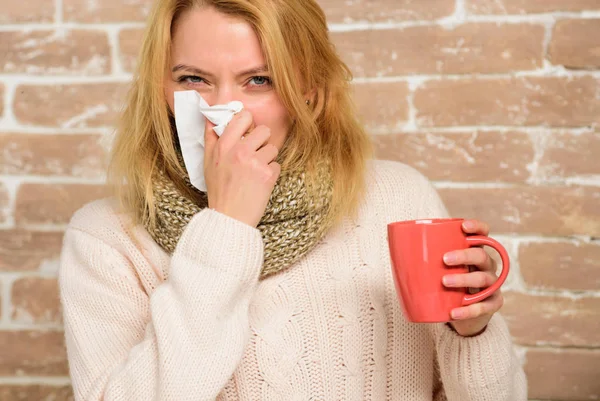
(468, 225)
(449, 258)
(456, 314)
(448, 281)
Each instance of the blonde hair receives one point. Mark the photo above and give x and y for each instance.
(301, 59)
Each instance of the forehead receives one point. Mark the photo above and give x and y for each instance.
(205, 37)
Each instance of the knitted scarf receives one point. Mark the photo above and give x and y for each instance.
(292, 225)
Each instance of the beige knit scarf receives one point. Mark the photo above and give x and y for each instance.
(292, 225)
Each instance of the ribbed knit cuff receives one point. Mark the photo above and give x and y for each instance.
(220, 242)
(476, 367)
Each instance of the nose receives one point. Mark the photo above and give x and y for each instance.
(223, 95)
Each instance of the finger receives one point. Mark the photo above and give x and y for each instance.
(210, 137)
(239, 125)
(267, 154)
(257, 137)
(487, 307)
(471, 256)
(493, 264)
(274, 169)
(476, 227)
(469, 280)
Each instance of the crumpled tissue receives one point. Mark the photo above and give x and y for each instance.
(191, 113)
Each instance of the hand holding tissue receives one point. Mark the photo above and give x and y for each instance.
(191, 112)
(241, 174)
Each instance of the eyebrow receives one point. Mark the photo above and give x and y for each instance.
(196, 70)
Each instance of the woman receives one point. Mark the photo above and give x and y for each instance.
(275, 284)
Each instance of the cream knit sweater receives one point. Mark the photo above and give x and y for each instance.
(199, 325)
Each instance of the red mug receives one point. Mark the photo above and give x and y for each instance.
(417, 249)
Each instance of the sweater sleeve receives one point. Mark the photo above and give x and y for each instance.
(481, 368)
(185, 340)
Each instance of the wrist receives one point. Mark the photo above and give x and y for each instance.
(473, 333)
(242, 219)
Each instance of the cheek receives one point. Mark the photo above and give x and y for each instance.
(274, 115)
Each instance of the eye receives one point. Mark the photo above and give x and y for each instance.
(190, 79)
(260, 81)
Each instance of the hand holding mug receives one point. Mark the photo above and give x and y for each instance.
(429, 264)
(472, 319)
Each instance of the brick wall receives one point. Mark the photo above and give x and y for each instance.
(496, 101)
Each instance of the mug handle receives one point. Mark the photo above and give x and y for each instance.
(478, 240)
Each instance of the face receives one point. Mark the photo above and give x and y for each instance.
(220, 57)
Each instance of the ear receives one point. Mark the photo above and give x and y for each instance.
(311, 96)
(316, 97)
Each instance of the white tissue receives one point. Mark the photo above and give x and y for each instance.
(191, 112)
